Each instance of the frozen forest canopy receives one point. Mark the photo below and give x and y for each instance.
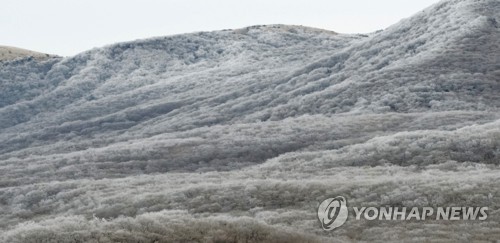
(238, 135)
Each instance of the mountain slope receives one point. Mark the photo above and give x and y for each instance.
(239, 134)
(8, 53)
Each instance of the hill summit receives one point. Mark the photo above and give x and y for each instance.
(8, 53)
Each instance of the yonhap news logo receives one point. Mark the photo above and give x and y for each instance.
(333, 213)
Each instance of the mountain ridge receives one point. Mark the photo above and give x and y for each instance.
(9, 53)
(247, 130)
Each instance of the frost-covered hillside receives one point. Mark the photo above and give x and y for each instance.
(238, 135)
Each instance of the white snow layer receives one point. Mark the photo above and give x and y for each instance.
(238, 135)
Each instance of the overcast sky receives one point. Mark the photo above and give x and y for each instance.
(67, 27)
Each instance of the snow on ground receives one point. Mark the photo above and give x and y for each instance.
(238, 135)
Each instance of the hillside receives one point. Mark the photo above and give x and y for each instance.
(8, 53)
(240, 134)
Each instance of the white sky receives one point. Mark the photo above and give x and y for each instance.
(67, 27)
